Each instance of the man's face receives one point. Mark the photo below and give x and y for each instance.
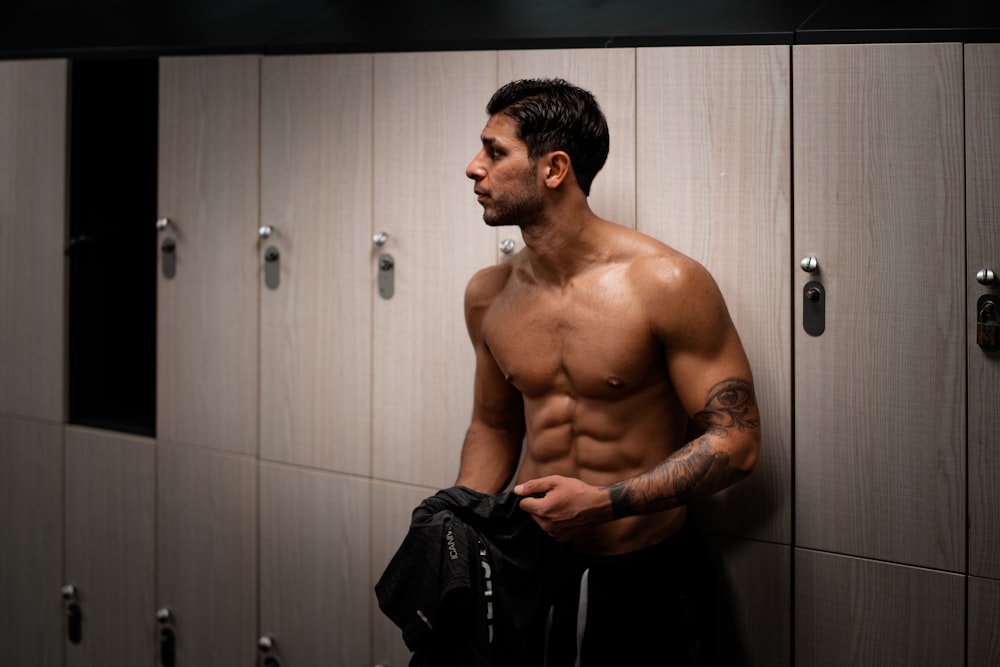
(506, 180)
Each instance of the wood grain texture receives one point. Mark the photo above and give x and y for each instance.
(428, 117)
(392, 505)
(206, 545)
(110, 553)
(315, 328)
(850, 611)
(33, 224)
(755, 624)
(31, 614)
(713, 172)
(984, 631)
(207, 317)
(880, 396)
(315, 566)
(982, 175)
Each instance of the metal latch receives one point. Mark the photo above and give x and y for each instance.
(386, 275)
(988, 322)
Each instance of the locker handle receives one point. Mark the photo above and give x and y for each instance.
(74, 622)
(814, 308)
(386, 275)
(168, 251)
(74, 614)
(168, 638)
(168, 642)
(266, 646)
(272, 267)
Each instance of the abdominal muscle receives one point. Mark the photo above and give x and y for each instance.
(602, 443)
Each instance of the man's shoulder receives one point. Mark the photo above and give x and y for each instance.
(487, 283)
(661, 267)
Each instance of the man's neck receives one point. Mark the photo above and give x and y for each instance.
(563, 244)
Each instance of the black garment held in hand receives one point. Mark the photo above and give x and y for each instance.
(469, 585)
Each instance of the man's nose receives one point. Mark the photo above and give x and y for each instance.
(475, 169)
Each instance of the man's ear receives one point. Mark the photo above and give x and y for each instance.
(557, 169)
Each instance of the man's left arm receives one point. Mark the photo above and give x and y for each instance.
(724, 453)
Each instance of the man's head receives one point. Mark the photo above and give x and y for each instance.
(553, 115)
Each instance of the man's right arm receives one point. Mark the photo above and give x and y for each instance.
(492, 444)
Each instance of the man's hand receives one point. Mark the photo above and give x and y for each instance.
(562, 506)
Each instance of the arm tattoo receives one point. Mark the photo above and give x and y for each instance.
(698, 468)
(731, 404)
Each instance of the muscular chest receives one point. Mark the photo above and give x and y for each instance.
(591, 339)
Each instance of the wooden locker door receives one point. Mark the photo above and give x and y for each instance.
(713, 182)
(110, 556)
(984, 632)
(610, 75)
(207, 326)
(206, 546)
(316, 172)
(315, 566)
(982, 173)
(33, 210)
(880, 395)
(854, 611)
(31, 611)
(753, 624)
(429, 112)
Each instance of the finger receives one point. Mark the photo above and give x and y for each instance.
(531, 505)
(535, 487)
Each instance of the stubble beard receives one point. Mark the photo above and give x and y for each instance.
(521, 214)
(525, 211)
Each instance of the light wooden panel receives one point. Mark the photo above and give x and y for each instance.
(610, 75)
(984, 631)
(850, 611)
(33, 109)
(315, 566)
(31, 612)
(712, 181)
(206, 537)
(316, 174)
(392, 505)
(755, 622)
(110, 555)
(880, 423)
(428, 117)
(982, 174)
(207, 320)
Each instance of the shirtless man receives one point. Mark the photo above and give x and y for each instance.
(600, 345)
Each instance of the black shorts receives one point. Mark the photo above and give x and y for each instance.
(655, 606)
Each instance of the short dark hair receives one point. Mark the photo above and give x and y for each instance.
(554, 115)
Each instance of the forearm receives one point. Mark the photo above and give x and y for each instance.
(489, 458)
(724, 453)
(697, 470)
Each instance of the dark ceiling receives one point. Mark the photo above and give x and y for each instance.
(110, 28)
